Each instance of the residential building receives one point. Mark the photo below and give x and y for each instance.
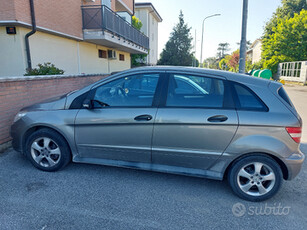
(254, 52)
(150, 18)
(78, 36)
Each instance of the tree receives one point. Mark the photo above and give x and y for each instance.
(234, 61)
(223, 64)
(231, 62)
(195, 61)
(222, 49)
(137, 59)
(211, 63)
(287, 10)
(177, 50)
(288, 41)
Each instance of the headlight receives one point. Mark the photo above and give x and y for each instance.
(19, 115)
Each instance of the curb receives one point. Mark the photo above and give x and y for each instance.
(5, 146)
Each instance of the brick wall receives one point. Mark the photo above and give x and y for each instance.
(16, 93)
(7, 10)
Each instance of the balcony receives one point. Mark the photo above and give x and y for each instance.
(104, 27)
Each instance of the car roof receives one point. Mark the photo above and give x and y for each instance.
(241, 78)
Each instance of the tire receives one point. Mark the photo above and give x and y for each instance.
(47, 150)
(255, 178)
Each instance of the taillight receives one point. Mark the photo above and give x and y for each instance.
(295, 133)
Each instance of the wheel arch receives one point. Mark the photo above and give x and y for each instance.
(35, 128)
(281, 164)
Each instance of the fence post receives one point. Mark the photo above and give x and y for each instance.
(304, 71)
(279, 69)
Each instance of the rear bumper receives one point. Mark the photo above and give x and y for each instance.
(294, 164)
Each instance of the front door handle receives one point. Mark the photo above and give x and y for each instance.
(145, 117)
(217, 118)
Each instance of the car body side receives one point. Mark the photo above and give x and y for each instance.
(256, 132)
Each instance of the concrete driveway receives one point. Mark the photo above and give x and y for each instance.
(98, 197)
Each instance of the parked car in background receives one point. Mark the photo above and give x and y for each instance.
(188, 121)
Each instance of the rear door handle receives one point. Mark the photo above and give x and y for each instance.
(145, 117)
(217, 118)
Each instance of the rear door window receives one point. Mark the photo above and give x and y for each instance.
(195, 91)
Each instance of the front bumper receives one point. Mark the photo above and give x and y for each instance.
(294, 164)
(16, 134)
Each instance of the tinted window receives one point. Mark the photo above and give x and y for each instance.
(136, 90)
(247, 99)
(282, 93)
(195, 91)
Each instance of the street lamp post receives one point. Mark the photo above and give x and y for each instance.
(202, 38)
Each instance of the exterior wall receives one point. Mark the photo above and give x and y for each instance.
(18, 93)
(58, 15)
(113, 5)
(249, 54)
(257, 52)
(72, 56)
(13, 57)
(89, 3)
(123, 5)
(153, 40)
(150, 29)
(61, 16)
(7, 10)
(61, 52)
(90, 63)
(128, 3)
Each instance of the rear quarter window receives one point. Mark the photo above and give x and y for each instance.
(246, 99)
(283, 94)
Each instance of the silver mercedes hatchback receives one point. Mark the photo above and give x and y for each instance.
(188, 121)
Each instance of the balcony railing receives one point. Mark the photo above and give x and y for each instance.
(102, 17)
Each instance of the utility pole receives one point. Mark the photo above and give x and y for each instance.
(195, 50)
(243, 38)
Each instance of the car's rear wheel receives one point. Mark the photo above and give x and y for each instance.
(255, 177)
(47, 150)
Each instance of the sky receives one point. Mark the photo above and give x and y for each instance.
(220, 29)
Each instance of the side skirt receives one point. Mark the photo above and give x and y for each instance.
(153, 167)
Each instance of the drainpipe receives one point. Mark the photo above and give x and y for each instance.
(29, 34)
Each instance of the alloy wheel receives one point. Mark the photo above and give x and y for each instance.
(45, 152)
(256, 179)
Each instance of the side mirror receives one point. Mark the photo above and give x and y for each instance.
(87, 103)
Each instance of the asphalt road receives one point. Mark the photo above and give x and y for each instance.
(98, 197)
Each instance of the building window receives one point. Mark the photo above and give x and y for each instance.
(102, 54)
(122, 57)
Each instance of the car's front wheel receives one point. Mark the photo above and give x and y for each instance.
(255, 177)
(47, 150)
